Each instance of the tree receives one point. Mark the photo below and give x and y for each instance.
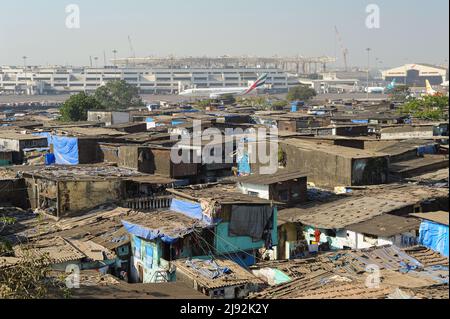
(76, 107)
(118, 95)
(427, 108)
(400, 93)
(29, 277)
(302, 93)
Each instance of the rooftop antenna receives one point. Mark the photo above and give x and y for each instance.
(104, 58)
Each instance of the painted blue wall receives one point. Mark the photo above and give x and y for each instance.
(224, 243)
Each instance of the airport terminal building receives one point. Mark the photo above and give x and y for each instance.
(416, 74)
(48, 80)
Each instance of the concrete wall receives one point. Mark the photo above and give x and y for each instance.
(407, 132)
(76, 196)
(109, 118)
(332, 170)
(18, 145)
(262, 190)
(323, 169)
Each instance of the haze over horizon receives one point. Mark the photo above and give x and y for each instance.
(412, 31)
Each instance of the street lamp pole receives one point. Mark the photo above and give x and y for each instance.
(115, 56)
(368, 70)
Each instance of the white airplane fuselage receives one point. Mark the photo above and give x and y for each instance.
(216, 92)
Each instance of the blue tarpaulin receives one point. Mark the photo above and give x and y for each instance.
(192, 210)
(360, 121)
(244, 165)
(65, 150)
(426, 149)
(434, 236)
(146, 233)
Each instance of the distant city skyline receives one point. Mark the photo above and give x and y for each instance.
(411, 31)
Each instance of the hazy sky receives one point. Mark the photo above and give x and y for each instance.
(411, 30)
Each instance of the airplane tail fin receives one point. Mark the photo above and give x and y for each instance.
(430, 89)
(258, 83)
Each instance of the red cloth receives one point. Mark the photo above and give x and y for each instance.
(317, 234)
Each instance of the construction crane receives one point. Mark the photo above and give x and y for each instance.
(343, 48)
(133, 53)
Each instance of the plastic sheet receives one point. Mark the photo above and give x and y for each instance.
(192, 210)
(434, 236)
(65, 150)
(146, 233)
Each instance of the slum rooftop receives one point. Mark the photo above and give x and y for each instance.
(350, 210)
(342, 274)
(222, 194)
(346, 152)
(282, 175)
(90, 172)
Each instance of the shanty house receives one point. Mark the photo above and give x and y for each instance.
(63, 191)
(287, 187)
(157, 239)
(109, 117)
(233, 226)
(356, 222)
(332, 166)
(217, 278)
(243, 227)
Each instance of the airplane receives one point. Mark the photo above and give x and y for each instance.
(391, 86)
(429, 90)
(219, 92)
(381, 90)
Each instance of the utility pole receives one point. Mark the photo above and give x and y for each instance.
(368, 70)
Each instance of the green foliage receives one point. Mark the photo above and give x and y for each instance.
(279, 105)
(30, 276)
(118, 95)
(302, 93)
(203, 104)
(427, 108)
(76, 107)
